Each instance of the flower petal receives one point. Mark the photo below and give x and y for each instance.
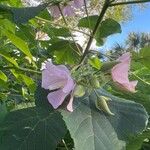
(120, 73)
(56, 98)
(125, 57)
(78, 3)
(55, 12)
(70, 104)
(53, 77)
(70, 85)
(68, 11)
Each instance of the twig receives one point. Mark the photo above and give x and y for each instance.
(145, 82)
(65, 144)
(129, 2)
(21, 69)
(87, 14)
(63, 17)
(102, 13)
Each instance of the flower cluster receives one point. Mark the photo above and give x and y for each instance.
(67, 8)
(58, 80)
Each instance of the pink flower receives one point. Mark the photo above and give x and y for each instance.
(67, 9)
(120, 73)
(57, 78)
(78, 3)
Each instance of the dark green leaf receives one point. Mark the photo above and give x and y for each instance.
(135, 143)
(88, 22)
(106, 28)
(32, 128)
(3, 111)
(65, 52)
(23, 15)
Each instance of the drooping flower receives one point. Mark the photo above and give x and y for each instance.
(120, 73)
(68, 9)
(57, 78)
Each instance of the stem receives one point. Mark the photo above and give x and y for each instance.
(65, 144)
(102, 13)
(129, 2)
(145, 82)
(87, 14)
(63, 17)
(21, 69)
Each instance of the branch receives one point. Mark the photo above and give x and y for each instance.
(102, 13)
(129, 2)
(56, 24)
(20, 69)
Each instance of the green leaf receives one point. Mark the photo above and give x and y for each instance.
(3, 76)
(145, 56)
(106, 66)
(28, 81)
(88, 22)
(18, 42)
(9, 59)
(25, 79)
(54, 32)
(95, 62)
(3, 111)
(23, 15)
(106, 28)
(65, 52)
(32, 128)
(92, 129)
(135, 143)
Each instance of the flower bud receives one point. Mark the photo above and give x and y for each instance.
(94, 82)
(101, 104)
(79, 91)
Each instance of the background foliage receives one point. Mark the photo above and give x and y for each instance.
(29, 36)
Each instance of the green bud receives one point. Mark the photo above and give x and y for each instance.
(79, 91)
(94, 82)
(101, 104)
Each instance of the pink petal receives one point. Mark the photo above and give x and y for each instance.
(78, 3)
(68, 11)
(70, 104)
(130, 86)
(63, 68)
(125, 57)
(53, 77)
(56, 98)
(69, 85)
(120, 73)
(55, 11)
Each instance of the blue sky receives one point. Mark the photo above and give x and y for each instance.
(140, 22)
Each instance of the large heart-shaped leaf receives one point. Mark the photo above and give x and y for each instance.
(34, 128)
(23, 15)
(65, 51)
(106, 28)
(92, 129)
